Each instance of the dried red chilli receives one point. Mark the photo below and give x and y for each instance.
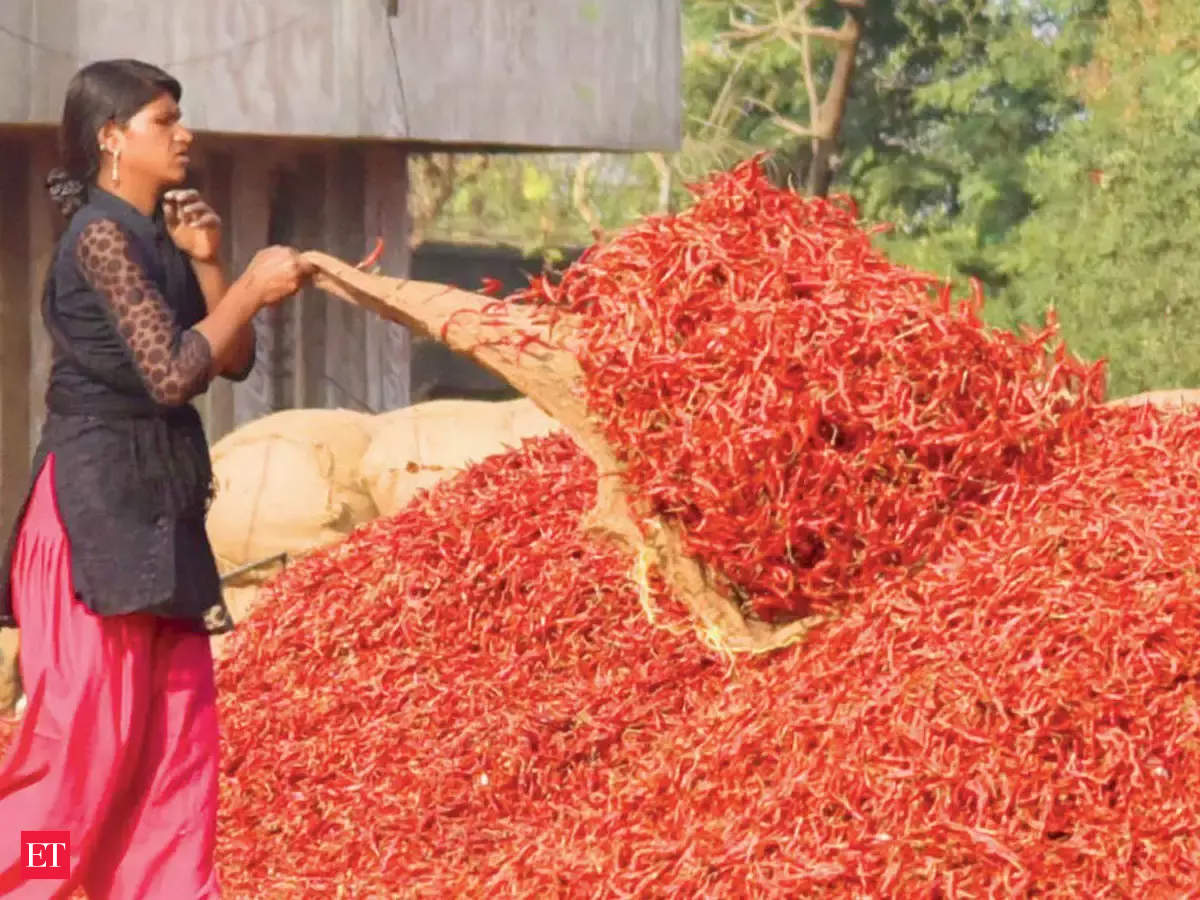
(491, 286)
(1020, 715)
(372, 257)
(887, 410)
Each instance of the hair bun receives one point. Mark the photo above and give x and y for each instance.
(68, 192)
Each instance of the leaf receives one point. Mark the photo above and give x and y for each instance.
(535, 184)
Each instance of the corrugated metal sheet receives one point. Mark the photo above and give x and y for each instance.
(600, 74)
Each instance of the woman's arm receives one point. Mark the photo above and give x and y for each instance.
(196, 229)
(176, 364)
(214, 284)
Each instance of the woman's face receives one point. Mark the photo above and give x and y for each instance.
(154, 144)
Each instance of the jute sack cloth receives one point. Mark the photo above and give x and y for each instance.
(10, 677)
(345, 433)
(1175, 398)
(417, 447)
(288, 483)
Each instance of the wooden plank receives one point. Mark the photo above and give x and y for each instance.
(250, 66)
(385, 211)
(37, 58)
(218, 190)
(345, 375)
(367, 82)
(547, 73)
(247, 232)
(45, 227)
(16, 280)
(16, 66)
(281, 318)
(595, 74)
(303, 192)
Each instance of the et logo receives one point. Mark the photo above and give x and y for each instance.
(46, 854)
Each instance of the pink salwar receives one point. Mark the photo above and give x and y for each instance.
(118, 744)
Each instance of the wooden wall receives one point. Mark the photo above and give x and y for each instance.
(312, 351)
(597, 74)
(27, 235)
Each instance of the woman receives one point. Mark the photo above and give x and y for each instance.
(109, 574)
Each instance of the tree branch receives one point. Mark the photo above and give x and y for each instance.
(810, 84)
(579, 195)
(833, 108)
(664, 181)
(435, 177)
(783, 121)
(744, 32)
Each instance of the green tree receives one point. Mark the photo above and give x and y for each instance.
(961, 93)
(1112, 244)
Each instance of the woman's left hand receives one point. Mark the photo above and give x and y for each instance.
(193, 225)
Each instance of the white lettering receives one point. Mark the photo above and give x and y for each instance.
(37, 851)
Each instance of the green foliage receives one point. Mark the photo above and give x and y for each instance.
(965, 92)
(1113, 242)
(527, 201)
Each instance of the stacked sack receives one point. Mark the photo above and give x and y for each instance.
(301, 479)
(1173, 398)
(415, 448)
(288, 483)
(298, 480)
(10, 677)
(284, 484)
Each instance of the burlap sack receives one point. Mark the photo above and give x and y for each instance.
(416, 447)
(344, 433)
(277, 495)
(346, 426)
(288, 482)
(10, 677)
(526, 420)
(1166, 399)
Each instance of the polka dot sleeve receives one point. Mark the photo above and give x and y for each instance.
(174, 363)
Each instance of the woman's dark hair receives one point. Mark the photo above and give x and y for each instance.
(102, 92)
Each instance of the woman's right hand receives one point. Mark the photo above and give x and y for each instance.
(275, 274)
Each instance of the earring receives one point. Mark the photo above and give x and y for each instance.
(116, 166)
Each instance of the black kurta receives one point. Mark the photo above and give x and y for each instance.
(132, 470)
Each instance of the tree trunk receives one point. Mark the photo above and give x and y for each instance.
(822, 168)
